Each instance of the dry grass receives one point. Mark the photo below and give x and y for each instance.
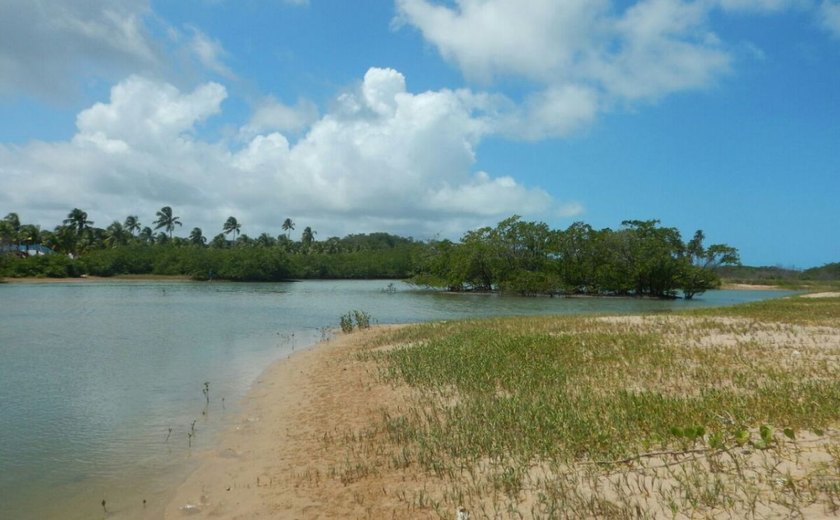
(720, 413)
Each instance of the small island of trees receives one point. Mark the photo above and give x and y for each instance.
(642, 258)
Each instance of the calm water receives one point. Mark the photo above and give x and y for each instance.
(93, 376)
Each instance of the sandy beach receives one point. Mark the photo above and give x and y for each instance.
(284, 458)
(306, 445)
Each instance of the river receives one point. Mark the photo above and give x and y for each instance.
(102, 384)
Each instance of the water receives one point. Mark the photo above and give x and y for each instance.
(94, 375)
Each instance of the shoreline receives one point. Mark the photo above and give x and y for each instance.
(99, 279)
(265, 462)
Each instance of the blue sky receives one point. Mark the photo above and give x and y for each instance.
(429, 118)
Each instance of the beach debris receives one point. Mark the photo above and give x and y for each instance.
(462, 514)
(190, 509)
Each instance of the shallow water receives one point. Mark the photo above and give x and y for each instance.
(94, 375)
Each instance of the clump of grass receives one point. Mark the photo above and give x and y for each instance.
(653, 416)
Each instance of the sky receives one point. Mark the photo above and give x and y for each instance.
(429, 118)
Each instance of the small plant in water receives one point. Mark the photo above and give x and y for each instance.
(346, 323)
(362, 319)
(354, 318)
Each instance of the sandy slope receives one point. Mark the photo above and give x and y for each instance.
(286, 458)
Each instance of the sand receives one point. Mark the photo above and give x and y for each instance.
(296, 453)
(285, 457)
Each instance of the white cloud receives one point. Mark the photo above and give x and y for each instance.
(651, 49)
(44, 43)
(384, 158)
(759, 5)
(209, 53)
(144, 113)
(830, 16)
(271, 115)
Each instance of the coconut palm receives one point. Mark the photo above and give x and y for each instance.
(197, 238)
(288, 227)
(231, 226)
(308, 236)
(116, 235)
(146, 235)
(166, 220)
(77, 219)
(132, 224)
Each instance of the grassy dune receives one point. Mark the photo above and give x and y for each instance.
(718, 412)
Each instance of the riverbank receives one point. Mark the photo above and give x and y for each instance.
(741, 419)
(282, 458)
(100, 279)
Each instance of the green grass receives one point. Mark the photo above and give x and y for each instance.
(544, 412)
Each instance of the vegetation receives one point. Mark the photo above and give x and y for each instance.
(641, 259)
(698, 415)
(130, 249)
(528, 258)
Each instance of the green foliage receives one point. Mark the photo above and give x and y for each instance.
(355, 318)
(528, 258)
(346, 322)
(572, 387)
(41, 266)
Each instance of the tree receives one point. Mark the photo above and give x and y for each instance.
(288, 227)
(9, 228)
(219, 241)
(146, 235)
(265, 240)
(132, 224)
(197, 238)
(700, 262)
(78, 220)
(308, 236)
(231, 226)
(166, 220)
(116, 235)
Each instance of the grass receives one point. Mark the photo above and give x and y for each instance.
(716, 412)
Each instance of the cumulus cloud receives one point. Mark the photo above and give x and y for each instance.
(271, 115)
(652, 48)
(383, 157)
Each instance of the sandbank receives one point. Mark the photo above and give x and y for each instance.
(294, 451)
(282, 457)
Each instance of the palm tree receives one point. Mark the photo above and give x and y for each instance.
(307, 236)
(288, 227)
(77, 219)
(116, 235)
(265, 240)
(146, 235)
(166, 220)
(231, 226)
(197, 238)
(132, 224)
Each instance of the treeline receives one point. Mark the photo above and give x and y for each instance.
(529, 258)
(128, 248)
(641, 258)
(775, 275)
